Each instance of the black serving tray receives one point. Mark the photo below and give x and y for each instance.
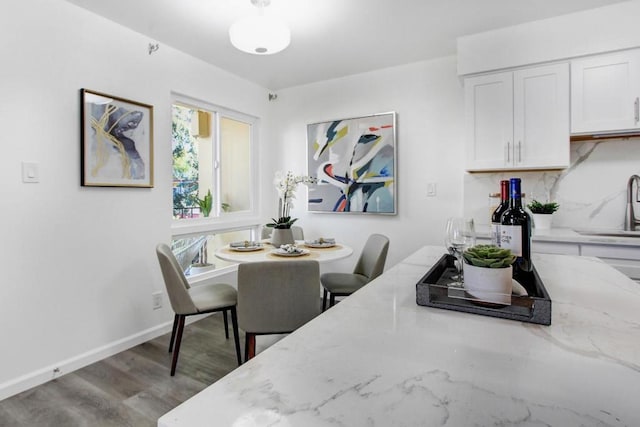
(433, 291)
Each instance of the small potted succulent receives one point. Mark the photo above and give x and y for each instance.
(542, 213)
(487, 273)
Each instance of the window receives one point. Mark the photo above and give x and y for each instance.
(211, 153)
(214, 179)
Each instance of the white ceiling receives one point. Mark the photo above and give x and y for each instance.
(329, 38)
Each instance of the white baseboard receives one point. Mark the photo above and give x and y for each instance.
(41, 376)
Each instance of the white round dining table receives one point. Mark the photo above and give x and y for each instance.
(266, 253)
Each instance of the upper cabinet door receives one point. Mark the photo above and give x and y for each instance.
(489, 121)
(605, 93)
(518, 119)
(541, 117)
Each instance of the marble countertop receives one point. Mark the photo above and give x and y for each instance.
(378, 359)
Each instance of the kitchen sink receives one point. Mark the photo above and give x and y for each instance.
(609, 233)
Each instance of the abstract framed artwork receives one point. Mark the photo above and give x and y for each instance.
(117, 141)
(354, 161)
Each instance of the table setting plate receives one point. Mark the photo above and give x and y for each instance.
(319, 245)
(282, 252)
(246, 248)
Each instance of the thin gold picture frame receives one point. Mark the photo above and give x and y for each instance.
(116, 141)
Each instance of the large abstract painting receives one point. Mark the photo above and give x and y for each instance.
(117, 141)
(354, 161)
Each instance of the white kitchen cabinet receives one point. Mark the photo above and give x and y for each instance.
(605, 93)
(518, 119)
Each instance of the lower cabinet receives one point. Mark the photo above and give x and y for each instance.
(623, 258)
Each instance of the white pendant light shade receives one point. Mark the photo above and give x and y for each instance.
(260, 35)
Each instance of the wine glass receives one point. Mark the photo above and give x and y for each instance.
(460, 235)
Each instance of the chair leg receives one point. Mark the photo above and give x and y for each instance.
(226, 324)
(173, 332)
(249, 346)
(332, 300)
(174, 362)
(324, 299)
(236, 334)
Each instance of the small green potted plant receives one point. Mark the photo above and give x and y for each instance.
(487, 273)
(206, 204)
(542, 213)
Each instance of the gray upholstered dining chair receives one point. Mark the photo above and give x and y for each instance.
(297, 231)
(369, 266)
(276, 297)
(186, 301)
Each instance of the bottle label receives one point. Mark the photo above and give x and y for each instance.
(511, 238)
(495, 233)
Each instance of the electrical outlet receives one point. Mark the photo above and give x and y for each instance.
(156, 299)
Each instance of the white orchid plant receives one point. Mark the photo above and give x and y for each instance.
(286, 186)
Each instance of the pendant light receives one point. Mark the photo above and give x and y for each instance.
(260, 34)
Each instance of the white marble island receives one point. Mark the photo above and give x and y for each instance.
(378, 359)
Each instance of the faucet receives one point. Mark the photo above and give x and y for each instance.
(630, 220)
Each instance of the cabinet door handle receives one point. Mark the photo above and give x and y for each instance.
(508, 152)
(519, 152)
(636, 106)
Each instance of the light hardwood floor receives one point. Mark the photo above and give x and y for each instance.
(132, 388)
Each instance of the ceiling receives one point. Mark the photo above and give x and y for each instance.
(329, 38)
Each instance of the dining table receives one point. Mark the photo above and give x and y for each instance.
(265, 251)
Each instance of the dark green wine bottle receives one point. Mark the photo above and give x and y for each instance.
(515, 228)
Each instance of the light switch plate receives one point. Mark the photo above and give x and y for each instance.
(30, 172)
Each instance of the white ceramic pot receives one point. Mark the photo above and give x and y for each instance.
(282, 236)
(542, 221)
(488, 284)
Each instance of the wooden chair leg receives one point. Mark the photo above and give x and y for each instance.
(236, 334)
(174, 362)
(332, 300)
(324, 299)
(173, 332)
(226, 325)
(249, 346)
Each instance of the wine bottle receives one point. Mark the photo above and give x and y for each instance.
(515, 228)
(496, 216)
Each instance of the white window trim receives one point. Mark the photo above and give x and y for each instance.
(225, 222)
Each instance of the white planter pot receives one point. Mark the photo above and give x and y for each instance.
(542, 221)
(488, 284)
(282, 236)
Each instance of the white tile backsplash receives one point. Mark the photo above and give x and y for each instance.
(591, 192)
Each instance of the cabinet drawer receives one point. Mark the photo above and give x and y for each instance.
(612, 252)
(555, 248)
(629, 268)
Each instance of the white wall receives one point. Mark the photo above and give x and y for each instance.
(588, 32)
(428, 99)
(78, 263)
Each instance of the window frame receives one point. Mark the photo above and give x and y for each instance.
(222, 221)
